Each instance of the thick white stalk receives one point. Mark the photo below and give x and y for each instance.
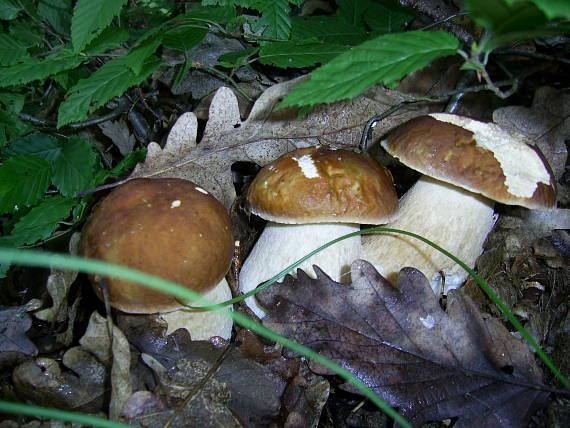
(454, 218)
(280, 245)
(203, 325)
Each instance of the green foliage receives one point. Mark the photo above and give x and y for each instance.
(90, 18)
(380, 60)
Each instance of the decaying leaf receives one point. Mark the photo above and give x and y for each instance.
(119, 133)
(265, 135)
(429, 363)
(14, 322)
(254, 391)
(80, 387)
(547, 122)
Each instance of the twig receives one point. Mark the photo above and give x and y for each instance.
(44, 123)
(533, 55)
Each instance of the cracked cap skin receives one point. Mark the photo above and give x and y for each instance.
(323, 185)
(166, 227)
(477, 156)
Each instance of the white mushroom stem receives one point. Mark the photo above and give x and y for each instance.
(280, 245)
(454, 218)
(203, 325)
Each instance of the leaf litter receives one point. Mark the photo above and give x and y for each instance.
(430, 363)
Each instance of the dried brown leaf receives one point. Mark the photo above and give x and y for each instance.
(265, 135)
(14, 323)
(429, 363)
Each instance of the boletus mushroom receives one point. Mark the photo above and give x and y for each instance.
(311, 196)
(170, 228)
(467, 166)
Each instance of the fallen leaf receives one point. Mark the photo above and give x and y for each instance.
(265, 135)
(119, 134)
(254, 390)
(547, 122)
(429, 363)
(14, 323)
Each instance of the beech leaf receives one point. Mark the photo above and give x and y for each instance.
(430, 363)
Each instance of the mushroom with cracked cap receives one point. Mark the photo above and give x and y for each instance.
(467, 165)
(311, 196)
(170, 228)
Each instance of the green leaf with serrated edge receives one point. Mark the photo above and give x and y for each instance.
(381, 60)
(552, 8)
(111, 80)
(39, 69)
(296, 54)
(275, 18)
(12, 101)
(12, 127)
(73, 169)
(58, 14)
(42, 220)
(138, 56)
(23, 181)
(122, 168)
(109, 38)
(90, 18)
(329, 29)
(237, 58)
(500, 18)
(388, 17)
(184, 37)
(11, 50)
(9, 9)
(43, 146)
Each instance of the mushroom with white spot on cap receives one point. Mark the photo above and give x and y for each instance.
(311, 196)
(170, 228)
(467, 165)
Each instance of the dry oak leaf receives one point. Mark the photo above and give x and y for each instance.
(265, 135)
(429, 363)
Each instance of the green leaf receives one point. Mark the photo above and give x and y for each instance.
(9, 9)
(237, 58)
(11, 127)
(23, 181)
(138, 56)
(184, 37)
(552, 8)
(380, 60)
(11, 50)
(58, 14)
(12, 101)
(39, 145)
(275, 18)
(125, 166)
(109, 38)
(499, 17)
(111, 80)
(329, 29)
(298, 54)
(74, 167)
(90, 18)
(387, 17)
(37, 69)
(42, 220)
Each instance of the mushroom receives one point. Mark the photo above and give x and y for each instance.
(467, 165)
(171, 228)
(311, 196)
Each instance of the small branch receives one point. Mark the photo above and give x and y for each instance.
(44, 123)
(533, 55)
(440, 12)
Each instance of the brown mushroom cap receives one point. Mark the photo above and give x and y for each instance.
(321, 185)
(167, 227)
(480, 157)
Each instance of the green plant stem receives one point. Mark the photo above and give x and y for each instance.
(60, 261)
(62, 415)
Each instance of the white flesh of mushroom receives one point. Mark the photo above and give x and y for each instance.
(454, 218)
(280, 245)
(203, 325)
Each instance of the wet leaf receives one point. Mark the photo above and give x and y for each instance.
(14, 322)
(429, 363)
(263, 136)
(254, 390)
